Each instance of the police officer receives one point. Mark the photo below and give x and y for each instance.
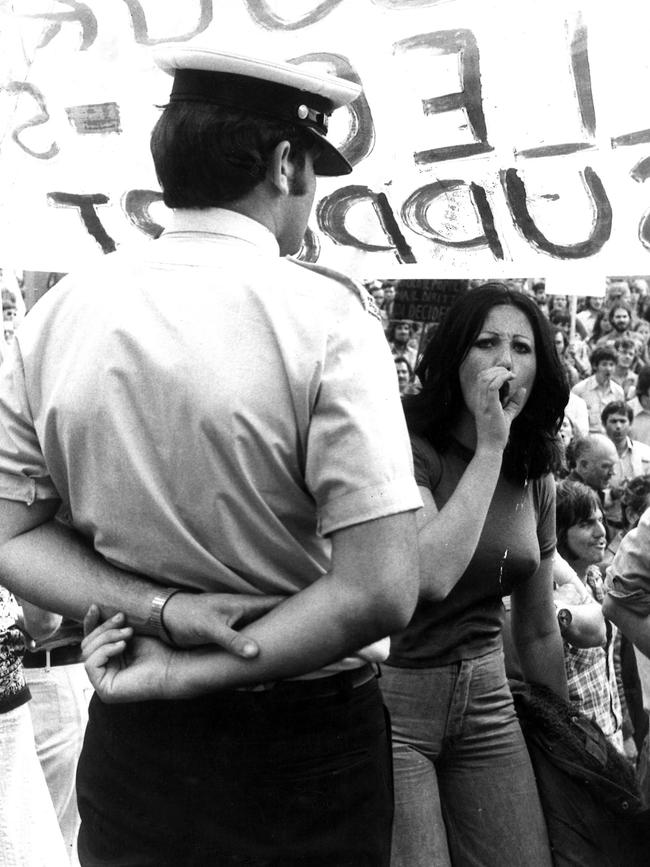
(236, 524)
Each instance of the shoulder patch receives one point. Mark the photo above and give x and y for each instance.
(367, 301)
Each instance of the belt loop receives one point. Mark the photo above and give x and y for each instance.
(47, 661)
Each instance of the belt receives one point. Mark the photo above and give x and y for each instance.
(318, 687)
(67, 655)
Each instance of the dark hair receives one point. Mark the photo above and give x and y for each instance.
(597, 331)
(574, 502)
(618, 305)
(561, 318)
(602, 353)
(390, 334)
(399, 359)
(635, 495)
(206, 155)
(625, 343)
(532, 448)
(557, 330)
(644, 307)
(616, 407)
(643, 382)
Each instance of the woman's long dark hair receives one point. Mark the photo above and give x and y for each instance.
(532, 448)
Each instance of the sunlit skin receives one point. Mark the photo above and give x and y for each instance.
(540, 296)
(620, 319)
(595, 302)
(403, 375)
(401, 333)
(389, 294)
(586, 542)
(560, 302)
(604, 371)
(292, 231)
(625, 357)
(596, 468)
(617, 428)
(566, 431)
(505, 342)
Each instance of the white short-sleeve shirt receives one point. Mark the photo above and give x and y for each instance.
(207, 411)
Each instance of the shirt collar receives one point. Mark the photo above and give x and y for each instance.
(222, 222)
(597, 386)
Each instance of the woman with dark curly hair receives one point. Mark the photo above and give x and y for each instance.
(484, 436)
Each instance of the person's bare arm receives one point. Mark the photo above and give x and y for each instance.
(635, 627)
(36, 623)
(53, 567)
(370, 591)
(535, 630)
(587, 627)
(448, 538)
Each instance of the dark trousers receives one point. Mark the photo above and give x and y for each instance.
(284, 777)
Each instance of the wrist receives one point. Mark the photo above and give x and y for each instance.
(155, 624)
(490, 453)
(564, 618)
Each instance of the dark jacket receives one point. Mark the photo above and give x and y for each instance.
(589, 794)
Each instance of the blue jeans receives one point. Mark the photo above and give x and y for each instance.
(255, 779)
(465, 793)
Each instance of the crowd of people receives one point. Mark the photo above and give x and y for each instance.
(601, 473)
(320, 579)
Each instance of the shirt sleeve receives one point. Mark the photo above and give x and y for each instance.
(545, 496)
(23, 473)
(426, 464)
(628, 576)
(359, 465)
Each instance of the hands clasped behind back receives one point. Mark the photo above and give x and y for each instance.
(124, 666)
(193, 619)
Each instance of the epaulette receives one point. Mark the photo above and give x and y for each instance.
(367, 301)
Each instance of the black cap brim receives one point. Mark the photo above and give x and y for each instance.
(262, 86)
(330, 162)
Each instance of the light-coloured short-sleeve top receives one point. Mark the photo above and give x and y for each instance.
(207, 411)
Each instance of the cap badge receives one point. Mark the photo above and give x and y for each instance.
(303, 112)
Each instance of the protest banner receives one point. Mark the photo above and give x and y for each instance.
(501, 138)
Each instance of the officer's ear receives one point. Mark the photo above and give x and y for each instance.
(281, 168)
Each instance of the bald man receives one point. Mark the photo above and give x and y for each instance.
(594, 460)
